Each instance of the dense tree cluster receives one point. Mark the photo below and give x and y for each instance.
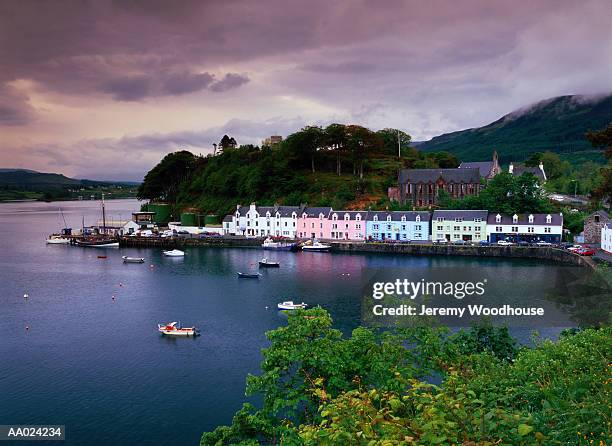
(603, 139)
(321, 388)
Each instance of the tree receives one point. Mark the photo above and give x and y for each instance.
(389, 138)
(335, 139)
(603, 138)
(303, 145)
(163, 181)
(227, 143)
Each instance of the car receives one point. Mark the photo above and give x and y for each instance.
(484, 243)
(440, 241)
(586, 252)
(504, 243)
(543, 243)
(524, 243)
(460, 242)
(575, 248)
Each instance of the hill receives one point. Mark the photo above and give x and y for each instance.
(558, 125)
(24, 184)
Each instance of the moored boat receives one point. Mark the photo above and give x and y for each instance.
(265, 263)
(127, 259)
(57, 239)
(96, 242)
(271, 244)
(316, 246)
(248, 275)
(175, 329)
(289, 305)
(174, 253)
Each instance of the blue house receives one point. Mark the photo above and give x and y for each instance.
(397, 226)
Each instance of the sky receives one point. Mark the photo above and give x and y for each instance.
(104, 89)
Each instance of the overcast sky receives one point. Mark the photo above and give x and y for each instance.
(103, 89)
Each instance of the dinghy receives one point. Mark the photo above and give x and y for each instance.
(174, 253)
(265, 263)
(127, 259)
(316, 246)
(56, 239)
(289, 305)
(248, 275)
(174, 329)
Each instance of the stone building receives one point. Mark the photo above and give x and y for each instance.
(487, 169)
(593, 225)
(420, 187)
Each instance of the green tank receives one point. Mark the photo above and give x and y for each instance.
(162, 212)
(189, 219)
(211, 220)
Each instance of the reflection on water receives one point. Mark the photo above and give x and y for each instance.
(100, 366)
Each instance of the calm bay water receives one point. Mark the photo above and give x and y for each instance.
(100, 367)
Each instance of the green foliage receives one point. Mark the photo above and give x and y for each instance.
(603, 139)
(320, 388)
(163, 181)
(505, 193)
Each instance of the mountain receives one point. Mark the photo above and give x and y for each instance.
(557, 124)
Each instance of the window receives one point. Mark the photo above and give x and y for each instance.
(498, 218)
(358, 218)
(417, 219)
(530, 229)
(455, 235)
(456, 228)
(478, 220)
(416, 227)
(375, 227)
(334, 217)
(548, 219)
(376, 218)
(403, 227)
(346, 226)
(388, 218)
(547, 230)
(530, 218)
(596, 218)
(440, 228)
(440, 219)
(514, 228)
(334, 226)
(347, 217)
(388, 227)
(358, 226)
(514, 218)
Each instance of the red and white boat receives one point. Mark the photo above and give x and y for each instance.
(174, 329)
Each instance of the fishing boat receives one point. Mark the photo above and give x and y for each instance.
(174, 253)
(248, 275)
(127, 259)
(265, 263)
(57, 239)
(97, 242)
(270, 244)
(289, 305)
(316, 246)
(175, 329)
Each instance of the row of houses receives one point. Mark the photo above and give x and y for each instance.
(303, 222)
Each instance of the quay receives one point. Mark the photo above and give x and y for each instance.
(416, 249)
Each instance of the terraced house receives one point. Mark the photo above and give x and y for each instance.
(313, 222)
(459, 225)
(260, 221)
(347, 225)
(398, 226)
(525, 227)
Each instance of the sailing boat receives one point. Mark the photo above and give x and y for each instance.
(102, 240)
(64, 237)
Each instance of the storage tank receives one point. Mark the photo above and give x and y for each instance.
(189, 219)
(162, 212)
(211, 220)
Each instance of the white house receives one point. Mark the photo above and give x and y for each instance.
(606, 237)
(261, 221)
(229, 225)
(525, 227)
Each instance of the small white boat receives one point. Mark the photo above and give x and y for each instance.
(265, 263)
(174, 253)
(316, 246)
(269, 243)
(248, 275)
(56, 239)
(127, 259)
(289, 305)
(174, 329)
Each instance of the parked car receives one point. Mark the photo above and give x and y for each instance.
(460, 242)
(543, 243)
(484, 243)
(586, 252)
(575, 248)
(524, 243)
(440, 241)
(504, 243)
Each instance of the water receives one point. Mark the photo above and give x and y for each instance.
(99, 366)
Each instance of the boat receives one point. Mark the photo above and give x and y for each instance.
(97, 242)
(265, 263)
(316, 246)
(270, 244)
(175, 329)
(102, 257)
(248, 275)
(174, 253)
(127, 259)
(57, 239)
(289, 305)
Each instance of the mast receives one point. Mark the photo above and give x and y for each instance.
(103, 216)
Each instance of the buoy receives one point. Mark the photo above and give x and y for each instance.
(120, 284)
(26, 295)
(27, 327)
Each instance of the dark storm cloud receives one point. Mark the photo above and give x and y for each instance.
(229, 81)
(14, 108)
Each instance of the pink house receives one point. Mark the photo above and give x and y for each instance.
(347, 225)
(314, 223)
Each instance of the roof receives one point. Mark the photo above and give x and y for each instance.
(242, 210)
(287, 211)
(484, 167)
(601, 213)
(397, 215)
(352, 214)
(465, 175)
(315, 211)
(519, 170)
(228, 218)
(523, 219)
(465, 214)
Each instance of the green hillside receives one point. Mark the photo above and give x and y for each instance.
(558, 125)
(23, 184)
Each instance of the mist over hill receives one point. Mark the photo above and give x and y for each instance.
(556, 124)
